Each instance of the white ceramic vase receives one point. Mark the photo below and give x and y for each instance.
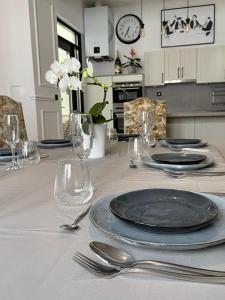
(98, 148)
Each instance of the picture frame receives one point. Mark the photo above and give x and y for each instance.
(200, 29)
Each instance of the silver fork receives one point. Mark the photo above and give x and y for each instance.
(111, 272)
(180, 174)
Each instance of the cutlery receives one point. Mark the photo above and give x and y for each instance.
(180, 174)
(75, 225)
(111, 272)
(118, 257)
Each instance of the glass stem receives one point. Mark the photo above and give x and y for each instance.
(13, 149)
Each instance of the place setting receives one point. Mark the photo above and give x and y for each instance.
(163, 219)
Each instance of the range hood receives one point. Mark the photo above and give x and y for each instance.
(99, 33)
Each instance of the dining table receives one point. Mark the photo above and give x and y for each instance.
(36, 254)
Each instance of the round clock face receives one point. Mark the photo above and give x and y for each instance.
(128, 29)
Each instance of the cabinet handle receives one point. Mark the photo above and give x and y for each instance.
(182, 72)
(162, 77)
(178, 72)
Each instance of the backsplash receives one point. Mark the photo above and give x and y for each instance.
(185, 97)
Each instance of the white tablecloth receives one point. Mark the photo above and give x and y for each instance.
(36, 256)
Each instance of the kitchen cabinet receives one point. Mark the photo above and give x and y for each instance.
(94, 94)
(180, 64)
(211, 64)
(154, 68)
(208, 128)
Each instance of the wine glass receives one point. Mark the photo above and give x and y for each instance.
(82, 134)
(73, 188)
(11, 130)
(112, 136)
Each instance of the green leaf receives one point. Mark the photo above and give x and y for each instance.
(96, 109)
(100, 120)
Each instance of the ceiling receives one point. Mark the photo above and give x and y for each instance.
(114, 2)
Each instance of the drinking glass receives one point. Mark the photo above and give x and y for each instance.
(137, 147)
(146, 125)
(73, 187)
(82, 134)
(112, 136)
(11, 130)
(30, 153)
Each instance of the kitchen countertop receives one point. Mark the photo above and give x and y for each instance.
(196, 114)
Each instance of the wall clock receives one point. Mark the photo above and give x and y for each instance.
(128, 28)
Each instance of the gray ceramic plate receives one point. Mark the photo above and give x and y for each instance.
(147, 160)
(106, 221)
(5, 155)
(51, 146)
(183, 141)
(165, 210)
(165, 144)
(178, 158)
(55, 141)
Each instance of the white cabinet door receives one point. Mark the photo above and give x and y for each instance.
(211, 64)
(188, 63)
(95, 94)
(210, 128)
(180, 64)
(154, 68)
(172, 64)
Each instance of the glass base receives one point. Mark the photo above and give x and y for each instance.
(13, 167)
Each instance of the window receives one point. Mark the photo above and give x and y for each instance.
(69, 42)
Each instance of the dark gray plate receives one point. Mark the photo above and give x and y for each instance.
(178, 158)
(54, 141)
(164, 143)
(165, 210)
(183, 141)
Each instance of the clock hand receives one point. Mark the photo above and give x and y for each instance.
(127, 31)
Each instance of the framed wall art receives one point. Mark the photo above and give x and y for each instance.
(192, 25)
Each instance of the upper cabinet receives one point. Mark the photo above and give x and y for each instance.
(211, 64)
(180, 64)
(154, 68)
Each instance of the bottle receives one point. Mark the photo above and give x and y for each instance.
(117, 66)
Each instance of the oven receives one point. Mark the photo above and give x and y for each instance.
(123, 92)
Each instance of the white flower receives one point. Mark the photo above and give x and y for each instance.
(51, 77)
(74, 65)
(64, 83)
(74, 83)
(89, 68)
(56, 67)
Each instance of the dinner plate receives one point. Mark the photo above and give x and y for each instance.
(178, 158)
(55, 141)
(101, 216)
(147, 160)
(165, 210)
(126, 136)
(183, 141)
(51, 146)
(6, 155)
(164, 143)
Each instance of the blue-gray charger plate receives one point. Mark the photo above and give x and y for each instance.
(165, 210)
(214, 234)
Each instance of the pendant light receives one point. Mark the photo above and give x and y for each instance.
(142, 34)
(164, 22)
(188, 27)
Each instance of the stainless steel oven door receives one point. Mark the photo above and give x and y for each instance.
(119, 122)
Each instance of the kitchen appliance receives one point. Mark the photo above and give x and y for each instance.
(99, 32)
(125, 88)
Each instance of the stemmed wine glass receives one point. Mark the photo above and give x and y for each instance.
(146, 125)
(82, 134)
(11, 130)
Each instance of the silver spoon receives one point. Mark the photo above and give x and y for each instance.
(120, 258)
(75, 225)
